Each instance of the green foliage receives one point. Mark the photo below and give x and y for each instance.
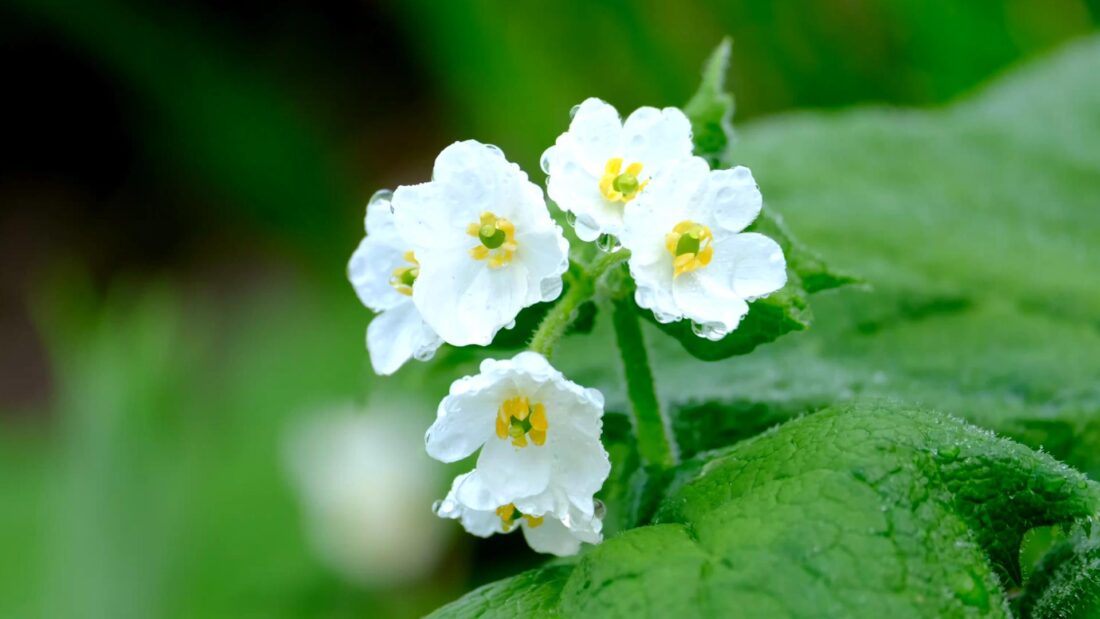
(867, 510)
(1066, 583)
(711, 109)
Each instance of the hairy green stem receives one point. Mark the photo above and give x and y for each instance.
(654, 441)
(582, 285)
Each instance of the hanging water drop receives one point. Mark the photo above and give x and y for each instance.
(544, 162)
(570, 218)
(573, 111)
(382, 195)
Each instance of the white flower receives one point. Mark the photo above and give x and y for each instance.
(601, 163)
(689, 257)
(485, 241)
(544, 533)
(363, 494)
(384, 271)
(539, 436)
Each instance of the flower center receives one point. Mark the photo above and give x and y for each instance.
(509, 515)
(620, 185)
(519, 420)
(691, 246)
(404, 277)
(497, 240)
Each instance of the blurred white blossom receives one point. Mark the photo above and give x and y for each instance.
(365, 493)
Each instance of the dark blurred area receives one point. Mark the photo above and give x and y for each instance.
(182, 184)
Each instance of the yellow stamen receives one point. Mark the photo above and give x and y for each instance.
(519, 420)
(618, 185)
(507, 515)
(404, 277)
(691, 246)
(497, 238)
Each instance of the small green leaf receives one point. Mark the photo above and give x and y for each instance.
(1066, 583)
(711, 109)
(867, 510)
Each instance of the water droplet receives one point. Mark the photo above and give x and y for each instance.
(436, 505)
(637, 141)
(948, 454)
(424, 354)
(713, 332)
(495, 150)
(608, 243)
(570, 218)
(664, 318)
(544, 162)
(599, 509)
(382, 195)
(573, 111)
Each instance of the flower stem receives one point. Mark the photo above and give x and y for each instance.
(582, 285)
(654, 441)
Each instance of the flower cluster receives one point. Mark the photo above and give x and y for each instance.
(455, 259)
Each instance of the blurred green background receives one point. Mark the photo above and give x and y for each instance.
(182, 185)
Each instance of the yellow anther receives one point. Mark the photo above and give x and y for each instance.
(496, 237)
(404, 277)
(519, 421)
(509, 515)
(691, 246)
(618, 185)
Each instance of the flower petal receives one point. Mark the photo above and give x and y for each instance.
(727, 199)
(755, 263)
(464, 421)
(545, 255)
(656, 138)
(593, 135)
(464, 300)
(510, 472)
(551, 537)
(398, 334)
(482, 523)
(370, 270)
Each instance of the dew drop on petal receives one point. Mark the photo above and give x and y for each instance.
(544, 162)
(436, 505)
(712, 331)
(495, 150)
(573, 111)
(570, 218)
(608, 243)
(382, 195)
(664, 318)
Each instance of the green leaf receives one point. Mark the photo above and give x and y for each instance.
(868, 510)
(1066, 583)
(711, 109)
